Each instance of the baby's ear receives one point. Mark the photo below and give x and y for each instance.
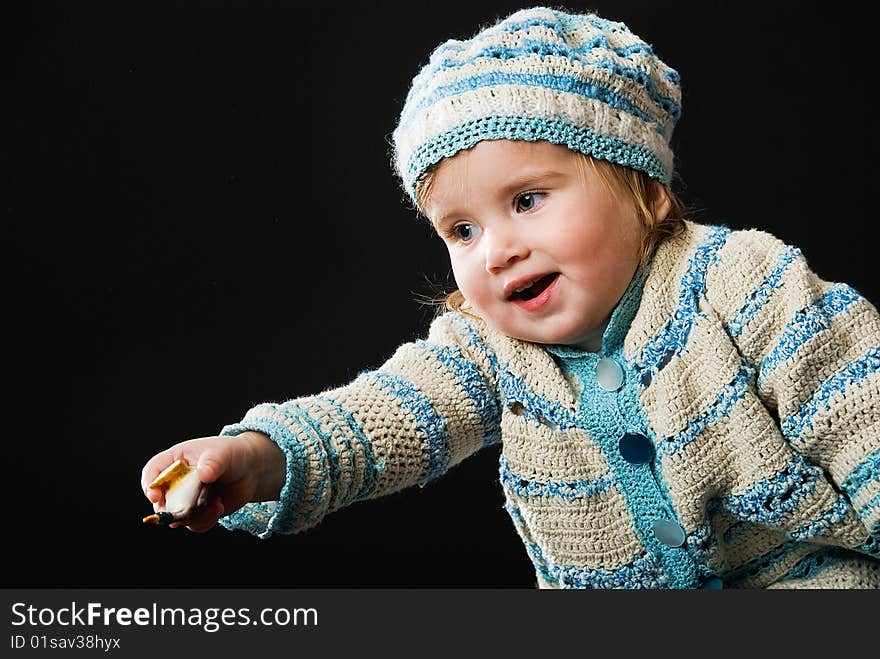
(662, 204)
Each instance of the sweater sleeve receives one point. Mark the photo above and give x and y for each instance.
(432, 404)
(815, 347)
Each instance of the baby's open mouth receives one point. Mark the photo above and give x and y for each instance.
(535, 289)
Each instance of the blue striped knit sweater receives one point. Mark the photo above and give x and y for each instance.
(753, 385)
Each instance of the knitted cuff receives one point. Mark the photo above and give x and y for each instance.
(265, 518)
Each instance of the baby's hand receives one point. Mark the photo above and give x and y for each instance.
(241, 469)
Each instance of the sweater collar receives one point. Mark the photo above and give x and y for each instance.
(618, 324)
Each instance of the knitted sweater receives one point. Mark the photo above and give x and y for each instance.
(727, 433)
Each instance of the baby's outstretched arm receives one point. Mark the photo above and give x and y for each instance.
(427, 408)
(241, 469)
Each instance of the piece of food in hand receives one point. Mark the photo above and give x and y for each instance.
(185, 494)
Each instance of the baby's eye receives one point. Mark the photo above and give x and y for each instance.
(528, 200)
(465, 232)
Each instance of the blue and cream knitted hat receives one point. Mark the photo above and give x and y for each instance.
(541, 74)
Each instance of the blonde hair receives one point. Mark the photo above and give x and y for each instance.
(625, 183)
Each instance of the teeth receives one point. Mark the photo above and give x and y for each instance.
(529, 285)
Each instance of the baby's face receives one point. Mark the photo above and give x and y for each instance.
(514, 213)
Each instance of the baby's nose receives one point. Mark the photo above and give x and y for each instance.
(502, 249)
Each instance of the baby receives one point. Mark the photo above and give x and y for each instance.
(678, 405)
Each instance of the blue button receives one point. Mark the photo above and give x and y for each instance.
(609, 374)
(636, 448)
(713, 583)
(669, 533)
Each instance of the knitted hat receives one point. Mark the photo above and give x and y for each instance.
(576, 80)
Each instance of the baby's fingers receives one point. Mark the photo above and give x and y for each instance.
(206, 519)
(155, 496)
(153, 468)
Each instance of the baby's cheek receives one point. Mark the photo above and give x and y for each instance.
(482, 305)
(602, 262)
(468, 280)
(590, 237)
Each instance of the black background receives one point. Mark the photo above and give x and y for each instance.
(203, 217)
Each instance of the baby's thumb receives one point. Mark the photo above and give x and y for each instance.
(210, 467)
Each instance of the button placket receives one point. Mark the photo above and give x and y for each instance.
(638, 450)
(613, 399)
